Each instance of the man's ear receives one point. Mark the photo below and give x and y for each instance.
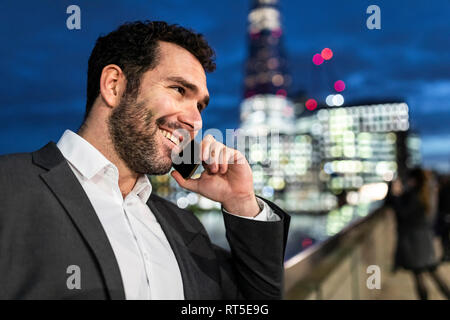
(112, 85)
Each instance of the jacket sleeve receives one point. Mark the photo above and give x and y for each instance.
(254, 269)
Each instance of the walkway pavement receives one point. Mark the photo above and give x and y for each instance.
(400, 285)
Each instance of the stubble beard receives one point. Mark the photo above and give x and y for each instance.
(134, 135)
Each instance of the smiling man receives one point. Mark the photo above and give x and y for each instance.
(79, 220)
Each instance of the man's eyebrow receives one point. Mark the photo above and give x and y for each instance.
(190, 86)
(184, 83)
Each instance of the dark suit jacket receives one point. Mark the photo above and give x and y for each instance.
(47, 223)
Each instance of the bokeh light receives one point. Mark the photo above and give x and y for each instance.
(277, 33)
(329, 100)
(311, 104)
(277, 80)
(327, 54)
(307, 242)
(338, 100)
(339, 86)
(317, 59)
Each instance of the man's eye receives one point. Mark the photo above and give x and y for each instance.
(180, 90)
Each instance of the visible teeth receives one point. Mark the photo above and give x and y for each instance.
(170, 136)
(174, 139)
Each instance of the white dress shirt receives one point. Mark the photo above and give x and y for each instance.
(146, 260)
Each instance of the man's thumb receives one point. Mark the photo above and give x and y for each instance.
(189, 184)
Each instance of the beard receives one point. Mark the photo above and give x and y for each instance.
(134, 134)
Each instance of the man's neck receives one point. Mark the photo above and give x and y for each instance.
(103, 143)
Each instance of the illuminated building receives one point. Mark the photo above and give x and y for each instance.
(266, 81)
(362, 144)
(284, 170)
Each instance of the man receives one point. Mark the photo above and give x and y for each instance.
(79, 220)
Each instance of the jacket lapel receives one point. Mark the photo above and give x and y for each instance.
(66, 188)
(179, 237)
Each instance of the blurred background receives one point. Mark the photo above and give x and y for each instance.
(359, 99)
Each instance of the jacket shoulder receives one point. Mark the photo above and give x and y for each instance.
(18, 174)
(31, 162)
(15, 156)
(15, 161)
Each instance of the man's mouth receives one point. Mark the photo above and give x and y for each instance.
(169, 136)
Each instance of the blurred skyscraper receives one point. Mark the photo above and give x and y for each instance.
(266, 80)
(284, 163)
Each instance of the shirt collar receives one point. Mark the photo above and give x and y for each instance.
(143, 188)
(89, 161)
(82, 155)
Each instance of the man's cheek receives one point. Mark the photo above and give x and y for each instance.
(164, 105)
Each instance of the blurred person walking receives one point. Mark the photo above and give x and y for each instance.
(443, 217)
(413, 207)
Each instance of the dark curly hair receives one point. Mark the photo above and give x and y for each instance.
(134, 48)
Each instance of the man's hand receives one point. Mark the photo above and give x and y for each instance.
(227, 179)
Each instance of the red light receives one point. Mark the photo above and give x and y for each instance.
(317, 59)
(306, 242)
(281, 92)
(311, 104)
(327, 54)
(277, 33)
(339, 86)
(254, 35)
(250, 93)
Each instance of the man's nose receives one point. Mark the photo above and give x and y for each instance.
(191, 118)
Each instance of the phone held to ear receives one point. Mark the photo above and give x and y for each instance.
(190, 160)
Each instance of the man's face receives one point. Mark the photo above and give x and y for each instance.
(171, 97)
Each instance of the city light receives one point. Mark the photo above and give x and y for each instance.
(317, 59)
(277, 33)
(338, 100)
(277, 80)
(311, 104)
(264, 19)
(329, 100)
(339, 86)
(372, 192)
(327, 54)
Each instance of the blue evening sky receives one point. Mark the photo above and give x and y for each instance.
(44, 64)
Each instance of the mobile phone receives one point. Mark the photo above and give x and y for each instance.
(190, 160)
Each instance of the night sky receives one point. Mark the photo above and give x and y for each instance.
(44, 64)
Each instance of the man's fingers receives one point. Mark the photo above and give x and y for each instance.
(224, 160)
(238, 157)
(216, 153)
(217, 157)
(206, 147)
(189, 184)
